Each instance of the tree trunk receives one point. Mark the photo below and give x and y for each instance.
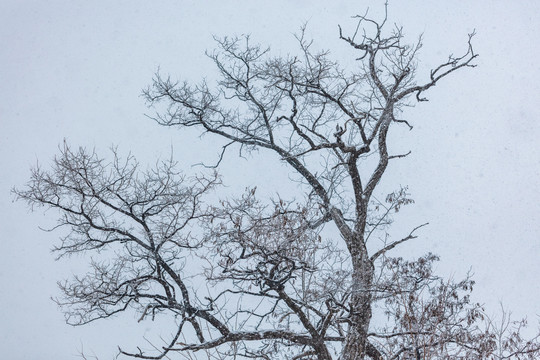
(356, 344)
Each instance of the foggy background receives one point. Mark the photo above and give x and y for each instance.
(75, 70)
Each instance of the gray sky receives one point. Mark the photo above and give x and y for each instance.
(75, 70)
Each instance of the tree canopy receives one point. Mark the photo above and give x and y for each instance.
(296, 279)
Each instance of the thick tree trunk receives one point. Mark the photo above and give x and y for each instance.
(356, 340)
(356, 343)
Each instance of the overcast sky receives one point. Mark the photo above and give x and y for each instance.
(75, 69)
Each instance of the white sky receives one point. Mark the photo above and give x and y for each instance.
(75, 70)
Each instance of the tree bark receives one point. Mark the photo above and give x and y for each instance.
(356, 344)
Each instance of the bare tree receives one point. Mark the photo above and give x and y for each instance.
(278, 286)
